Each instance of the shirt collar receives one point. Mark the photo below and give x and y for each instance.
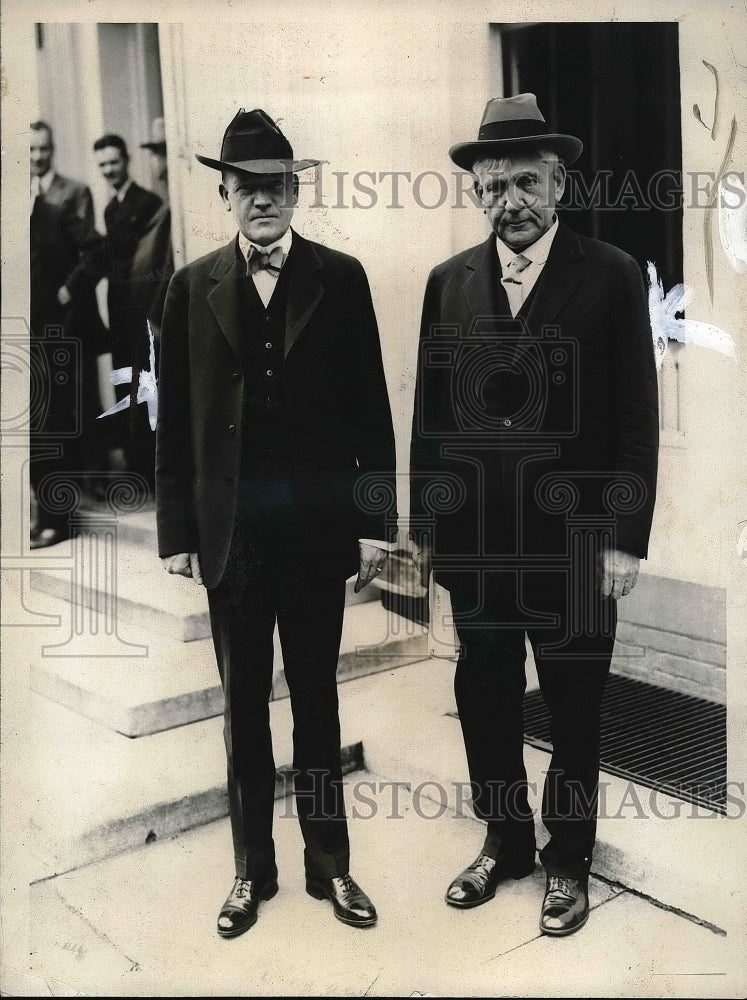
(43, 183)
(285, 242)
(537, 253)
(120, 195)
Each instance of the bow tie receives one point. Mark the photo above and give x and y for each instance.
(260, 260)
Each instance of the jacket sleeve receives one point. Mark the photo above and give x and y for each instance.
(175, 510)
(374, 433)
(429, 412)
(632, 493)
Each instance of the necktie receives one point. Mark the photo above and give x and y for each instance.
(35, 190)
(513, 284)
(259, 260)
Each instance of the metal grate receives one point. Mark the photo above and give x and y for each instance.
(674, 743)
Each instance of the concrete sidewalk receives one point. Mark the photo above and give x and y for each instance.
(143, 924)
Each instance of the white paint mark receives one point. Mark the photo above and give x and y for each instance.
(732, 221)
(665, 326)
(147, 390)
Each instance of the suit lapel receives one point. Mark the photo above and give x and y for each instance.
(223, 298)
(479, 287)
(305, 288)
(559, 280)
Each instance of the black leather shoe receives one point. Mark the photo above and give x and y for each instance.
(350, 903)
(239, 912)
(566, 905)
(478, 882)
(46, 537)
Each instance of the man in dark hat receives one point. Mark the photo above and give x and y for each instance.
(273, 429)
(536, 405)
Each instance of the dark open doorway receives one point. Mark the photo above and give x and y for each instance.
(616, 86)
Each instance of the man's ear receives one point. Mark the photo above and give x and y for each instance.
(478, 187)
(295, 189)
(559, 177)
(223, 192)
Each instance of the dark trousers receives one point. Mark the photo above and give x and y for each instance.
(573, 658)
(269, 578)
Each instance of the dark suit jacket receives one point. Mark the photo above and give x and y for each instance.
(111, 258)
(338, 407)
(540, 419)
(152, 267)
(61, 230)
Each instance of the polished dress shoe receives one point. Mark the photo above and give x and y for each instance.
(478, 882)
(350, 903)
(566, 905)
(239, 912)
(46, 537)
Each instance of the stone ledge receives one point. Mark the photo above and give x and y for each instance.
(174, 683)
(97, 793)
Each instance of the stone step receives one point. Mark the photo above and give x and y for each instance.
(175, 683)
(127, 581)
(97, 793)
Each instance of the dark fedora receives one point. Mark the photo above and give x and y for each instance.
(512, 124)
(157, 137)
(253, 142)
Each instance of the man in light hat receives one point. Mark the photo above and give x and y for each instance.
(536, 409)
(273, 427)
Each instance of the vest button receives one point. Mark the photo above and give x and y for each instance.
(270, 372)
(268, 345)
(232, 428)
(235, 376)
(506, 422)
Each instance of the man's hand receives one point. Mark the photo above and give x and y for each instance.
(185, 564)
(422, 559)
(618, 571)
(63, 296)
(372, 559)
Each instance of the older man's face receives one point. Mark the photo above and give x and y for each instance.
(519, 195)
(262, 203)
(42, 151)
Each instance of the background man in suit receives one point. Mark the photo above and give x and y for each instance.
(536, 406)
(127, 217)
(61, 229)
(273, 424)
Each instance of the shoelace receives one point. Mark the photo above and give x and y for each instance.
(243, 888)
(558, 885)
(481, 867)
(347, 885)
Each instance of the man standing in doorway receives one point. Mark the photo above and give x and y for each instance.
(61, 230)
(273, 427)
(536, 408)
(127, 217)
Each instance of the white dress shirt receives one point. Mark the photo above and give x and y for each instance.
(40, 185)
(264, 280)
(536, 254)
(119, 195)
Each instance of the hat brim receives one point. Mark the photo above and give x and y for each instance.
(464, 154)
(278, 166)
